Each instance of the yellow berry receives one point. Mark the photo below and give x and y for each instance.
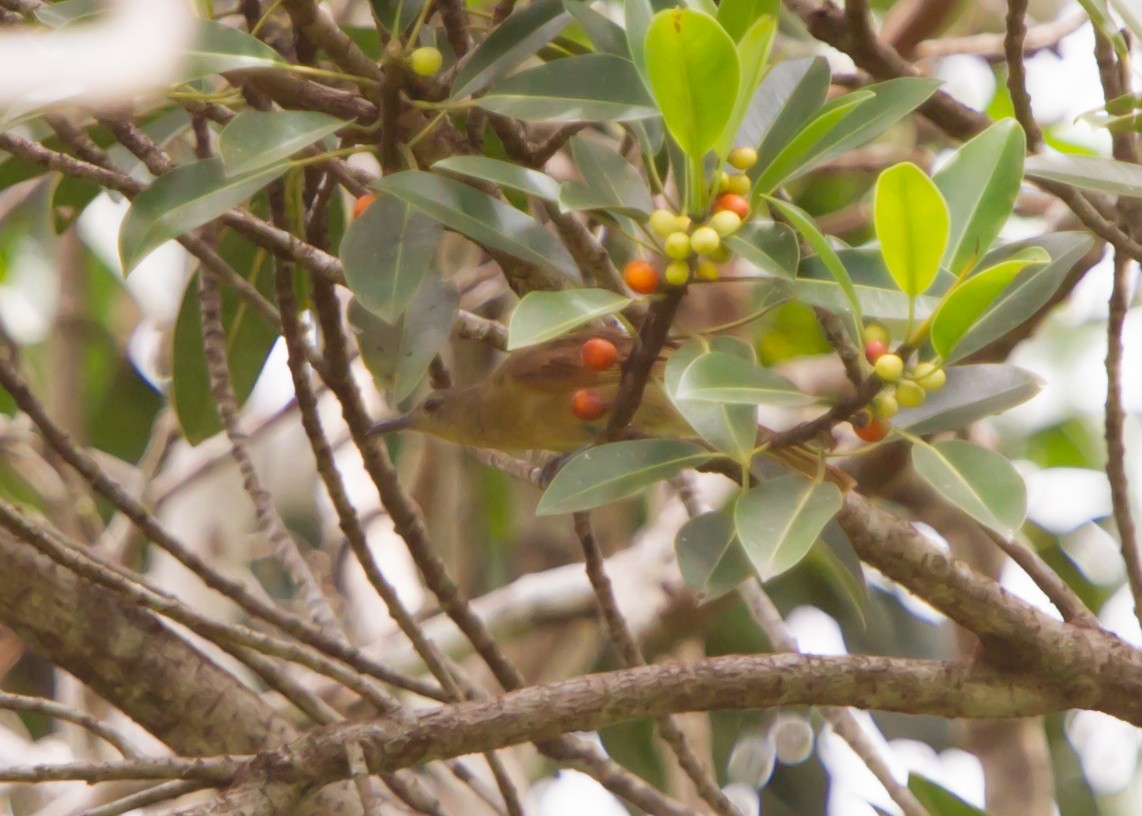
(723, 181)
(705, 240)
(683, 223)
(877, 331)
(725, 222)
(928, 377)
(663, 222)
(743, 158)
(707, 270)
(677, 245)
(909, 394)
(885, 405)
(677, 273)
(739, 184)
(426, 61)
(889, 367)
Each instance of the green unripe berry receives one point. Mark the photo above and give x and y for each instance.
(707, 270)
(683, 222)
(725, 222)
(425, 61)
(877, 331)
(927, 376)
(738, 183)
(721, 254)
(663, 222)
(722, 181)
(742, 158)
(889, 367)
(885, 405)
(909, 394)
(677, 273)
(705, 240)
(677, 246)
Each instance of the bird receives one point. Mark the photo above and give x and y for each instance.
(526, 404)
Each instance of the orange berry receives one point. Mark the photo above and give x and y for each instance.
(734, 203)
(641, 276)
(363, 204)
(598, 354)
(874, 350)
(587, 405)
(868, 427)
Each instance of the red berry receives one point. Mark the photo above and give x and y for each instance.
(587, 405)
(598, 354)
(363, 204)
(873, 350)
(733, 202)
(868, 427)
(641, 276)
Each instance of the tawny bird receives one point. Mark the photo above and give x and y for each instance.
(526, 404)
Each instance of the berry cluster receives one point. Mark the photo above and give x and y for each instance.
(596, 354)
(697, 251)
(906, 385)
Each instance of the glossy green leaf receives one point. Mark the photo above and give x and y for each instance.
(637, 15)
(981, 482)
(940, 801)
(514, 40)
(769, 246)
(543, 316)
(249, 338)
(710, 556)
(779, 520)
(887, 305)
(255, 139)
(386, 253)
(1030, 292)
(694, 72)
(68, 11)
(804, 225)
(967, 301)
(609, 181)
(739, 16)
(182, 200)
(220, 48)
(398, 354)
(807, 142)
(971, 393)
(607, 37)
(911, 222)
(482, 218)
(608, 473)
(396, 15)
(720, 377)
(979, 184)
(588, 88)
(790, 95)
(1102, 20)
(1092, 173)
(505, 175)
(731, 429)
(753, 58)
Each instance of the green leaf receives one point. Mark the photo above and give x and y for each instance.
(396, 15)
(386, 253)
(608, 473)
(738, 16)
(911, 222)
(971, 393)
(637, 15)
(779, 520)
(753, 57)
(398, 354)
(482, 218)
(694, 72)
(888, 305)
(982, 483)
(183, 199)
(710, 556)
(967, 301)
(68, 11)
(1102, 20)
(607, 36)
(804, 225)
(791, 93)
(807, 143)
(1030, 292)
(506, 175)
(939, 801)
(249, 338)
(255, 139)
(769, 246)
(516, 39)
(588, 88)
(731, 429)
(979, 184)
(1088, 173)
(543, 316)
(721, 377)
(220, 48)
(609, 181)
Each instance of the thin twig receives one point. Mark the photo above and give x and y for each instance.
(1013, 47)
(163, 792)
(59, 711)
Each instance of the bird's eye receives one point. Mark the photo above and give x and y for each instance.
(432, 405)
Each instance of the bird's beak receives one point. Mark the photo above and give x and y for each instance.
(399, 423)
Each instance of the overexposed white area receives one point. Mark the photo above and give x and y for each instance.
(1107, 749)
(968, 79)
(816, 632)
(1015, 580)
(571, 793)
(1061, 499)
(136, 48)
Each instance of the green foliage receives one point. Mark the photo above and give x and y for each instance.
(779, 520)
(256, 139)
(912, 224)
(543, 316)
(981, 482)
